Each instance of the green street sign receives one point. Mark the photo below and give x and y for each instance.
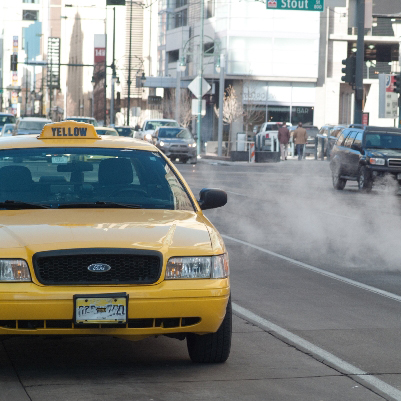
(295, 5)
(1, 90)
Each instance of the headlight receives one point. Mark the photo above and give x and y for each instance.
(198, 267)
(14, 270)
(162, 143)
(378, 161)
(192, 145)
(148, 137)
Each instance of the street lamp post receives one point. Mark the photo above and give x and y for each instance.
(178, 93)
(113, 81)
(200, 74)
(220, 68)
(93, 82)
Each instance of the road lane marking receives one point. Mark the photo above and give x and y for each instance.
(334, 276)
(326, 356)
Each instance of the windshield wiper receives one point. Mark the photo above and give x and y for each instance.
(15, 205)
(98, 204)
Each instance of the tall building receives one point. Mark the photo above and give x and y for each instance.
(284, 65)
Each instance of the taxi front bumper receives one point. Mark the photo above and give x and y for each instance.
(167, 308)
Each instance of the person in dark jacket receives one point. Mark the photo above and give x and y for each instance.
(284, 138)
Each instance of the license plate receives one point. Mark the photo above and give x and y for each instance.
(103, 308)
(59, 159)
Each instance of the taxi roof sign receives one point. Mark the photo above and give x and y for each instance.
(69, 130)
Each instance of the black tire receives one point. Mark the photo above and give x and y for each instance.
(183, 160)
(338, 182)
(194, 160)
(212, 347)
(365, 182)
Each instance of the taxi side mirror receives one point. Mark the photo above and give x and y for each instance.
(212, 198)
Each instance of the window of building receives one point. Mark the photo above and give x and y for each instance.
(30, 15)
(181, 18)
(181, 3)
(31, 1)
(173, 56)
(210, 8)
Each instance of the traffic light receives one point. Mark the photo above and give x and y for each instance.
(349, 70)
(14, 62)
(397, 83)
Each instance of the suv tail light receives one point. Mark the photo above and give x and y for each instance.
(267, 136)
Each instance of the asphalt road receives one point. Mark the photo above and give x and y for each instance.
(315, 277)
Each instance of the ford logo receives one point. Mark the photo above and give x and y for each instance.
(99, 267)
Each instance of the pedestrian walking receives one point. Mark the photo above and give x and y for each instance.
(300, 138)
(284, 138)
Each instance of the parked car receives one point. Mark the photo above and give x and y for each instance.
(268, 132)
(125, 131)
(364, 155)
(30, 125)
(149, 127)
(7, 130)
(87, 120)
(7, 118)
(176, 143)
(106, 131)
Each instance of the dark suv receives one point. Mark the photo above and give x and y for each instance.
(363, 154)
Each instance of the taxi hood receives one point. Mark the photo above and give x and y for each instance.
(168, 231)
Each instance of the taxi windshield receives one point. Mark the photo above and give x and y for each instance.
(89, 177)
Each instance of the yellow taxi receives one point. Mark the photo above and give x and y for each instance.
(101, 235)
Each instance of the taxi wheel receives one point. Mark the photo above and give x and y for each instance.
(213, 347)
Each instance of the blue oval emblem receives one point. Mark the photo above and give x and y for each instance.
(99, 267)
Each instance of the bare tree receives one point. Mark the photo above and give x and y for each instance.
(252, 115)
(185, 116)
(232, 111)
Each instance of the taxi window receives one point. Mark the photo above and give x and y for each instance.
(80, 177)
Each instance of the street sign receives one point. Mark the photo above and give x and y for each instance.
(295, 5)
(195, 107)
(194, 87)
(388, 99)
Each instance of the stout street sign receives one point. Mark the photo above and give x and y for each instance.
(295, 5)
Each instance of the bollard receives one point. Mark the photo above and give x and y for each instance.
(322, 150)
(316, 145)
(251, 153)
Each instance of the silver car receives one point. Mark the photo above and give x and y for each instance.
(7, 130)
(176, 143)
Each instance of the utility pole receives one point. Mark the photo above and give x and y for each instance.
(200, 74)
(129, 64)
(360, 53)
(178, 94)
(221, 105)
(113, 68)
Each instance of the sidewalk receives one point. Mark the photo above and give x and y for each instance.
(211, 158)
